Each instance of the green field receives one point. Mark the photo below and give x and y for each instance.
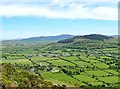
(111, 79)
(85, 78)
(77, 64)
(60, 77)
(61, 63)
(98, 73)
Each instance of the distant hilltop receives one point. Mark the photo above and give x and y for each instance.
(91, 37)
(94, 37)
(49, 38)
(63, 37)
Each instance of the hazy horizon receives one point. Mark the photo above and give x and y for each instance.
(54, 35)
(24, 20)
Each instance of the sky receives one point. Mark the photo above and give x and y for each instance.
(31, 18)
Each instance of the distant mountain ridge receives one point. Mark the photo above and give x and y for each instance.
(63, 37)
(49, 38)
(91, 37)
(94, 37)
(116, 36)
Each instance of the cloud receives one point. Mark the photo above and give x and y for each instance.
(67, 11)
(101, 0)
(59, 1)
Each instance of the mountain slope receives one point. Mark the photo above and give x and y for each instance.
(18, 78)
(116, 36)
(95, 37)
(42, 40)
(98, 37)
(49, 38)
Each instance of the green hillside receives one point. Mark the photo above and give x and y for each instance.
(14, 77)
(98, 37)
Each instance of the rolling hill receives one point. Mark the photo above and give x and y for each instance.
(98, 37)
(33, 41)
(49, 38)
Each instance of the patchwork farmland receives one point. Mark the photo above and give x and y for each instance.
(82, 63)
